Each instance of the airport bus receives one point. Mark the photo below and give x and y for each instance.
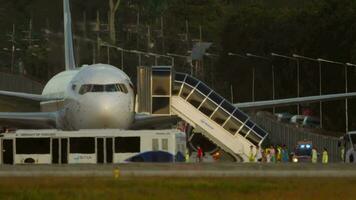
(91, 146)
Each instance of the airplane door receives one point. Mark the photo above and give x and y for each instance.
(55, 150)
(8, 151)
(109, 150)
(64, 150)
(100, 150)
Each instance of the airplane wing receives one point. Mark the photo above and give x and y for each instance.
(32, 97)
(144, 120)
(28, 119)
(294, 101)
(21, 102)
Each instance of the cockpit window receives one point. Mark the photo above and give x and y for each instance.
(119, 87)
(84, 89)
(123, 88)
(97, 88)
(111, 88)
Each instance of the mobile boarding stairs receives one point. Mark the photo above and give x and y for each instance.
(163, 92)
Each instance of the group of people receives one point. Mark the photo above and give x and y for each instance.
(269, 155)
(278, 153)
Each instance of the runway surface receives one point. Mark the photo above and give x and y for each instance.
(184, 170)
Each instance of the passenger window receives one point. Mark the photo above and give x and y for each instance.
(155, 145)
(84, 89)
(165, 144)
(127, 144)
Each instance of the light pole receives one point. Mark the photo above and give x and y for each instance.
(298, 77)
(320, 89)
(346, 88)
(253, 75)
(231, 88)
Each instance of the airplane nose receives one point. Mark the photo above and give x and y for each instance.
(109, 108)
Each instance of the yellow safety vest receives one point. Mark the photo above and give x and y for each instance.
(251, 158)
(325, 157)
(314, 156)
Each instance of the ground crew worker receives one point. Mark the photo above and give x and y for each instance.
(325, 159)
(187, 155)
(268, 155)
(272, 152)
(279, 153)
(251, 156)
(200, 154)
(258, 155)
(342, 152)
(314, 155)
(285, 154)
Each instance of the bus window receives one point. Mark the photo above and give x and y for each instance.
(165, 144)
(32, 146)
(85, 145)
(155, 146)
(127, 144)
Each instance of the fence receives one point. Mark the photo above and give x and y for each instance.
(280, 133)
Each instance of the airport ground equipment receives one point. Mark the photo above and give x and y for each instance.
(170, 93)
(303, 151)
(91, 146)
(348, 142)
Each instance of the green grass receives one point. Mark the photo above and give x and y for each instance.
(176, 188)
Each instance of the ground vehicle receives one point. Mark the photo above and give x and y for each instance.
(283, 117)
(91, 146)
(303, 152)
(305, 121)
(348, 141)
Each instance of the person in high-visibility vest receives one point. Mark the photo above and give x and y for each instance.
(325, 158)
(187, 155)
(251, 156)
(314, 156)
(279, 153)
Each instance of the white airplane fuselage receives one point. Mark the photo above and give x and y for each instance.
(95, 96)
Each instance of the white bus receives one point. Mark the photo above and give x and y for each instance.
(91, 146)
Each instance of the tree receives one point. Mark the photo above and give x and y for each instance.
(112, 13)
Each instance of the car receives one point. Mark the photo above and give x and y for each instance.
(283, 117)
(305, 121)
(302, 152)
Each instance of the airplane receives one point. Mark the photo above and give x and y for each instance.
(99, 96)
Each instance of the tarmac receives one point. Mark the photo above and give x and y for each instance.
(183, 170)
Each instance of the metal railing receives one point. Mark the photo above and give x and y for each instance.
(230, 116)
